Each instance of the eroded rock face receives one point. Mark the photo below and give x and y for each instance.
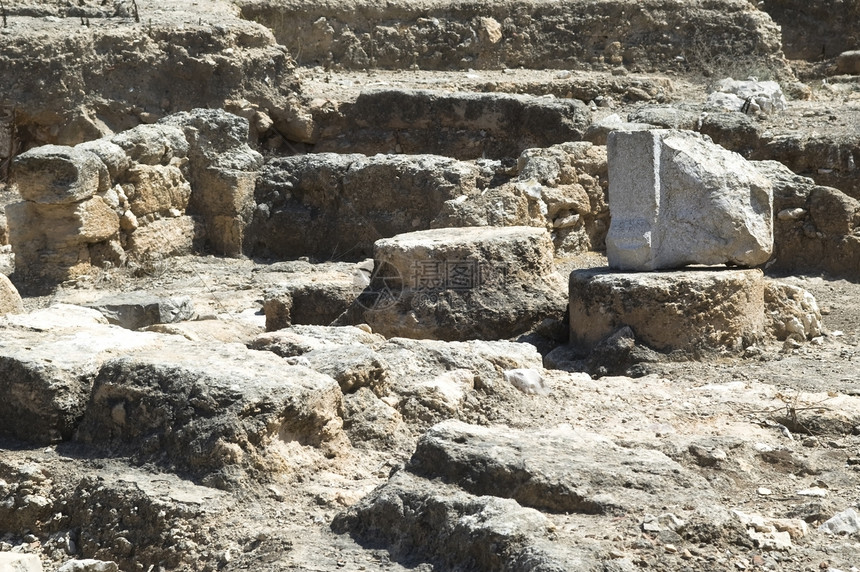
(334, 206)
(461, 283)
(466, 479)
(420, 521)
(92, 93)
(677, 199)
(49, 361)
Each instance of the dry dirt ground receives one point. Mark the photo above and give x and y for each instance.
(781, 423)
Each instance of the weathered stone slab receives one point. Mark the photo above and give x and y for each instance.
(48, 361)
(560, 470)
(462, 283)
(685, 310)
(56, 174)
(133, 310)
(214, 412)
(417, 519)
(677, 199)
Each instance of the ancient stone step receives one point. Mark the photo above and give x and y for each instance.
(561, 470)
(454, 124)
(219, 408)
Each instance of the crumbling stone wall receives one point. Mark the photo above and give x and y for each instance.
(152, 191)
(657, 34)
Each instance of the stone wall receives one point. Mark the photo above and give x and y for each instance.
(658, 34)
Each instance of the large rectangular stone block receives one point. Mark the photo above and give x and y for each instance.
(677, 199)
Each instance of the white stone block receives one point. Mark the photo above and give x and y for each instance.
(678, 199)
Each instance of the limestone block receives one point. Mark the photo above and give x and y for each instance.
(164, 237)
(462, 283)
(677, 199)
(686, 310)
(217, 139)
(111, 154)
(56, 174)
(48, 362)
(152, 144)
(225, 200)
(157, 189)
(210, 411)
(18, 562)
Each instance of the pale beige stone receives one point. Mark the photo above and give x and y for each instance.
(157, 189)
(10, 300)
(686, 310)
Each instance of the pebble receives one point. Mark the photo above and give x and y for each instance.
(764, 491)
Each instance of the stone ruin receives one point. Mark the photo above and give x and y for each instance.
(407, 286)
(678, 200)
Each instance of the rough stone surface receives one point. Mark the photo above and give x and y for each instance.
(791, 311)
(814, 226)
(677, 199)
(92, 94)
(333, 206)
(49, 361)
(571, 471)
(848, 62)
(419, 522)
(136, 310)
(212, 412)
(462, 283)
(310, 294)
(685, 310)
(89, 565)
(360, 34)
(17, 562)
(10, 299)
(222, 173)
(461, 125)
(752, 96)
(56, 174)
(152, 144)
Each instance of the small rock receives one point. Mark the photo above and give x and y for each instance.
(813, 492)
(89, 565)
(844, 523)
(529, 381)
(764, 491)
